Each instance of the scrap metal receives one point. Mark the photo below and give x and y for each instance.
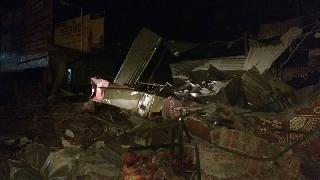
(144, 104)
(277, 29)
(262, 55)
(260, 93)
(180, 70)
(217, 109)
(138, 57)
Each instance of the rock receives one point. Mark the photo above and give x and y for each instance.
(35, 154)
(69, 133)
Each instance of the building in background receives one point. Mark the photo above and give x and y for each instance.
(27, 30)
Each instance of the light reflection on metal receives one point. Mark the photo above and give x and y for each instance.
(144, 104)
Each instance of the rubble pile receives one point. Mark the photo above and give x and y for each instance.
(194, 131)
(207, 125)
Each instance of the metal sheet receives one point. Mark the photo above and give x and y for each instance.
(262, 55)
(255, 87)
(293, 72)
(144, 104)
(139, 102)
(235, 63)
(138, 57)
(277, 29)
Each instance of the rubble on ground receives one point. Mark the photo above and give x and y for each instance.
(213, 125)
(250, 138)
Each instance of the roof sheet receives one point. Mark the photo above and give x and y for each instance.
(277, 29)
(234, 63)
(262, 55)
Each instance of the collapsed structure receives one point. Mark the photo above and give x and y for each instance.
(221, 118)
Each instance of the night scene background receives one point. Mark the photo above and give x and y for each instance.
(159, 89)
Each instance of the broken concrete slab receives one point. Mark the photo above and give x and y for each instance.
(21, 170)
(35, 154)
(75, 162)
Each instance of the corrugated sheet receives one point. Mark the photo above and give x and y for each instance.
(277, 29)
(255, 87)
(138, 57)
(225, 64)
(262, 55)
(293, 72)
(235, 63)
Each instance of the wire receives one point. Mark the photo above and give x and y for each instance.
(193, 175)
(295, 49)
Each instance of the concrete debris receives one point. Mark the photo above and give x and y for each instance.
(92, 164)
(261, 94)
(70, 163)
(153, 165)
(33, 157)
(210, 124)
(67, 144)
(179, 135)
(230, 166)
(213, 91)
(239, 122)
(18, 142)
(69, 133)
(23, 170)
(35, 154)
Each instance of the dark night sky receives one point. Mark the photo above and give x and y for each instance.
(202, 20)
(197, 20)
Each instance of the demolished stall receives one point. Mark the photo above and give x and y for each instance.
(210, 124)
